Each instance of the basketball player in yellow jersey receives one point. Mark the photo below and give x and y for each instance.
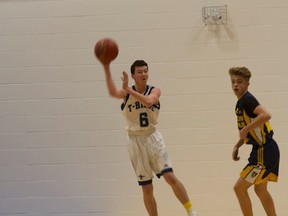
(255, 129)
(145, 144)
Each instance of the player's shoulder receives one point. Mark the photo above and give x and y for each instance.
(249, 100)
(248, 96)
(153, 89)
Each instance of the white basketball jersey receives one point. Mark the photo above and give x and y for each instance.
(141, 119)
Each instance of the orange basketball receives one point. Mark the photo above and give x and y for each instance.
(106, 50)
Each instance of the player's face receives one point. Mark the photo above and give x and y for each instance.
(239, 85)
(141, 75)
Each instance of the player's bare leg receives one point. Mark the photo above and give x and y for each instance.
(241, 189)
(149, 200)
(180, 192)
(177, 187)
(265, 198)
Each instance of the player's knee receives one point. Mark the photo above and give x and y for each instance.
(260, 191)
(238, 189)
(241, 186)
(147, 189)
(170, 178)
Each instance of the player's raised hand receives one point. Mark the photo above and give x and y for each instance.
(125, 80)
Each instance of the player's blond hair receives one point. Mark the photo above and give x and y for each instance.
(240, 71)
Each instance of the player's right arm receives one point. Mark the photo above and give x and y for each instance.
(235, 151)
(262, 116)
(113, 91)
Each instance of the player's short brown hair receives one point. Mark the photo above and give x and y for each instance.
(240, 71)
(137, 63)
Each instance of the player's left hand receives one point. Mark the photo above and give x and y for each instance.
(125, 80)
(235, 154)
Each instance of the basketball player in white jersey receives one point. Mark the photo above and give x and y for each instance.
(146, 147)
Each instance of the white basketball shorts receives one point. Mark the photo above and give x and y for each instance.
(148, 155)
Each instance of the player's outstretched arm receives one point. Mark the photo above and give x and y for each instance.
(113, 91)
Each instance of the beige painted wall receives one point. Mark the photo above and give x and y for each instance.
(62, 139)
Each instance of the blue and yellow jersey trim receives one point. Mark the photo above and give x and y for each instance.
(244, 110)
(259, 135)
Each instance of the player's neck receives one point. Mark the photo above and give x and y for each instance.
(140, 88)
(241, 95)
